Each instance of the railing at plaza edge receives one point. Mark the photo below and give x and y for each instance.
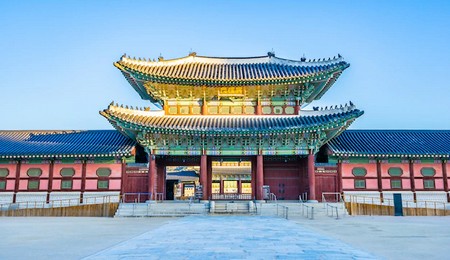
(282, 211)
(332, 209)
(60, 203)
(363, 205)
(309, 211)
(272, 197)
(136, 197)
(332, 197)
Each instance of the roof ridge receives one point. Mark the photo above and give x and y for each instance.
(398, 130)
(231, 60)
(64, 130)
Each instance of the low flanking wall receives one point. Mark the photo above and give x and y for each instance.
(91, 210)
(355, 209)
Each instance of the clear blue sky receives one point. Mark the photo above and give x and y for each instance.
(57, 56)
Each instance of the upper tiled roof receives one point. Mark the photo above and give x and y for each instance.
(90, 143)
(235, 124)
(392, 143)
(212, 71)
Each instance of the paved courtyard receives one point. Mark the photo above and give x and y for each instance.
(227, 237)
(231, 237)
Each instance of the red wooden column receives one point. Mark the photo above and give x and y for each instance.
(83, 179)
(221, 186)
(311, 177)
(379, 179)
(297, 107)
(152, 176)
(411, 178)
(161, 180)
(259, 176)
(50, 180)
(339, 173)
(239, 186)
(209, 177)
(123, 177)
(444, 176)
(258, 107)
(204, 175)
(16, 183)
(204, 107)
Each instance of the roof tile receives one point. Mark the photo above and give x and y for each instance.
(67, 143)
(392, 142)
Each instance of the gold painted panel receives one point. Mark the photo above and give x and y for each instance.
(267, 110)
(225, 110)
(196, 110)
(184, 110)
(289, 110)
(250, 110)
(213, 110)
(278, 110)
(236, 110)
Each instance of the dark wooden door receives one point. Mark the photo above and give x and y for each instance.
(284, 182)
(325, 183)
(136, 188)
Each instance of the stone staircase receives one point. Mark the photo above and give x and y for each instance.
(303, 210)
(232, 207)
(282, 209)
(162, 209)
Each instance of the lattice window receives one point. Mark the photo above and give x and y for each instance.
(359, 172)
(360, 184)
(286, 141)
(428, 171)
(103, 172)
(33, 184)
(428, 184)
(4, 172)
(102, 184)
(67, 172)
(66, 184)
(34, 172)
(396, 184)
(395, 171)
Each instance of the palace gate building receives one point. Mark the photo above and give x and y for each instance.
(239, 124)
(240, 112)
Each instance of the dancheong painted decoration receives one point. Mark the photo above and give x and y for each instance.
(226, 129)
(233, 108)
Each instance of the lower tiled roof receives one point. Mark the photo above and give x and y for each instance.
(392, 143)
(228, 124)
(89, 143)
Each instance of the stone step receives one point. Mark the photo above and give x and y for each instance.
(160, 209)
(228, 207)
(232, 207)
(299, 209)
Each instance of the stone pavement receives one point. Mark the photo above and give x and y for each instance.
(231, 237)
